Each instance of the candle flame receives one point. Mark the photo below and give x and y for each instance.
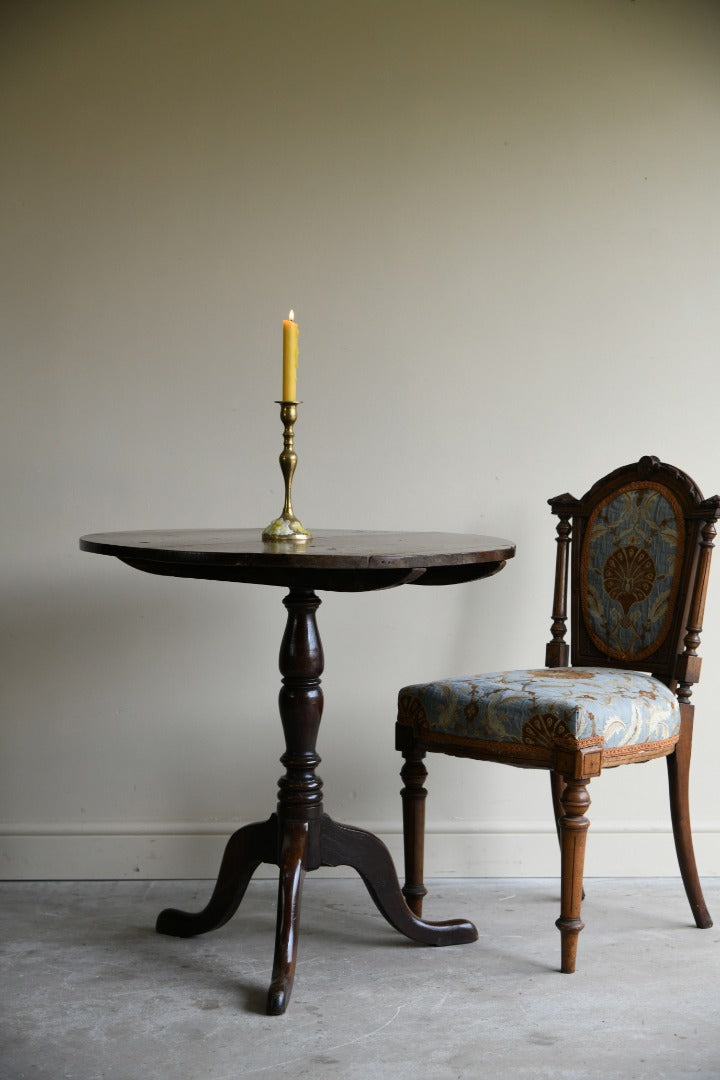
(291, 315)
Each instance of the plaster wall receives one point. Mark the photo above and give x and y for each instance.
(497, 224)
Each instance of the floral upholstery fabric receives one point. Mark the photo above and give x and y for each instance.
(547, 707)
(631, 558)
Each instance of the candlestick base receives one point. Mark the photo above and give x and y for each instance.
(283, 528)
(287, 527)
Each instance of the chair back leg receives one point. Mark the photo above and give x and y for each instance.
(557, 785)
(678, 766)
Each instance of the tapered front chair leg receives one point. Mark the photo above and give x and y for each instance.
(575, 800)
(557, 786)
(413, 795)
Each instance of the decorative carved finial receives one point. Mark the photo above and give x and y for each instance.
(648, 464)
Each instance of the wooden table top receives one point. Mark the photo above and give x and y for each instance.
(333, 559)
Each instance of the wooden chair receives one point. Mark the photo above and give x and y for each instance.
(619, 693)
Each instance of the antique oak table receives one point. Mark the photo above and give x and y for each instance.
(300, 836)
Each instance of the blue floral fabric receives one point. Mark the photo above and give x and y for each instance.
(547, 707)
(631, 554)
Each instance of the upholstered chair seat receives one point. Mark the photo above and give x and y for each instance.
(533, 711)
(635, 551)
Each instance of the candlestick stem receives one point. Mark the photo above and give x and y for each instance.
(287, 526)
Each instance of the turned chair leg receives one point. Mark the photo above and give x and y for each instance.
(678, 765)
(557, 786)
(575, 800)
(413, 794)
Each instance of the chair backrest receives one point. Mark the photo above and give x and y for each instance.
(642, 538)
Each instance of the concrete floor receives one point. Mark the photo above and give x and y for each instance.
(90, 991)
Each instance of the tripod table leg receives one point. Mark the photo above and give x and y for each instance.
(245, 850)
(344, 845)
(292, 876)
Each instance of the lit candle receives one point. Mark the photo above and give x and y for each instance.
(290, 357)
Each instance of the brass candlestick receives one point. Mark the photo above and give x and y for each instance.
(287, 526)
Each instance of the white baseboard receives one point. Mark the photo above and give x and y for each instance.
(155, 850)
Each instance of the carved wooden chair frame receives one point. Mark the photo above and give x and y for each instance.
(675, 662)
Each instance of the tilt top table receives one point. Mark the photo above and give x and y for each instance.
(299, 836)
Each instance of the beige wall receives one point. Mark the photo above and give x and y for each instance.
(498, 225)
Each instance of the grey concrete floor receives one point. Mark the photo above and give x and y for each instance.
(90, 991)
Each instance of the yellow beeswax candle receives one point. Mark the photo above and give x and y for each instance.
(290, 357)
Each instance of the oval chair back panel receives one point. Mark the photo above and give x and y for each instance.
(631, 562)
(634, 551)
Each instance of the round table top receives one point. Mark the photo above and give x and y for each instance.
(333, 559)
